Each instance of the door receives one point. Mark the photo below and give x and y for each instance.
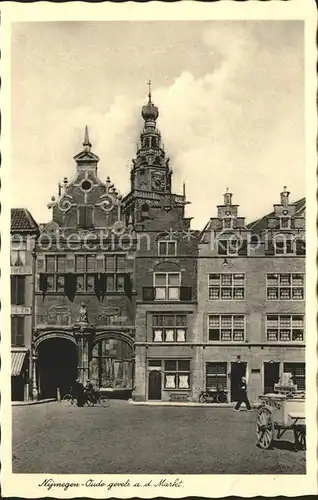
(238, 370)
(271, 376)
(154, 385)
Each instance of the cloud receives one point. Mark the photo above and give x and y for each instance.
(238, 123)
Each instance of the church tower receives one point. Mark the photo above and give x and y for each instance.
(151, 198)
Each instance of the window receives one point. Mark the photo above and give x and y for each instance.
(298, 371)
(17, 257)
(60, 283)
(167, 286)
(110, 263)
(167, 247)
(285, 286)
(80, 263)
(169, 327)
(120, 263)
(177, 374)
(226, 286)
(285, 327)
(228, 247)
(17, 331)
(226, 327)
(50, 263)
(227, 223)
(285, 222)
(18, 290)
(216, 376)
(61, 263)
(284, 245)
(85, 217)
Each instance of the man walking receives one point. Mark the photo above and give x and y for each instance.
(242, 395)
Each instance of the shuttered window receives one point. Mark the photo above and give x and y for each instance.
(85, 217)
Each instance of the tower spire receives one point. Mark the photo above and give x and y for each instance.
(87, 145)
(149, 92)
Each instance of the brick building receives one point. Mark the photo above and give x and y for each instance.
(165, 272)
(24, 231)
(84, 299)
(130, 297)
(251, 298)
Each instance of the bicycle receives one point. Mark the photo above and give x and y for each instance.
(101, 400)
(218, 395)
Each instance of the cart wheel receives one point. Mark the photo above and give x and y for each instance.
(203, 399)
(68, 400)
(264, 429)
(300, 437)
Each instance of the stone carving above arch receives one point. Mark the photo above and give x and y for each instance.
(167, 266)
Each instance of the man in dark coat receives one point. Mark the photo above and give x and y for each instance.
(78, 392)
(242, 395)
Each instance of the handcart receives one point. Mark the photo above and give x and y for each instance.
(281, 411)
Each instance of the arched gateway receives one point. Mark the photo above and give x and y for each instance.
(56, 365)
(106, 358)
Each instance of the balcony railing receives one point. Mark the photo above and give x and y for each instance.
(180, 294)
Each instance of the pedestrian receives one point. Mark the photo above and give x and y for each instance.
(242, 395)
(78, 392)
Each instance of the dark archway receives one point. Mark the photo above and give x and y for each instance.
(56, 367)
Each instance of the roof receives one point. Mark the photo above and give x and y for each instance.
(261, 223)
(22, 221)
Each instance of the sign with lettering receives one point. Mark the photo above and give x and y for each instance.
(110, 311)
(21, 270)
(20, 310)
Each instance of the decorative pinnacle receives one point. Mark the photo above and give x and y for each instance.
(87, 145)
(149, 93)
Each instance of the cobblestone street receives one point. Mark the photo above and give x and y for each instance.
(123, 438)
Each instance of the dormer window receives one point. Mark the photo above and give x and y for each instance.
(284, 246)
(167, 248)
(228, 247)
(227, 223)
(285, 222)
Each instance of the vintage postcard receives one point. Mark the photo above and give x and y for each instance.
(158, 260)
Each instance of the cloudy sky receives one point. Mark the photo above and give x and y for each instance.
(230, 96)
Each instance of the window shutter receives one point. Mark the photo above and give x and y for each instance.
(43, 282)
(88, 217)
(128, 286)
(148, 294)
(222, 247)
(97, 285)
(81, 217)
(242, 247)
(70, 286)
(185, 293)
(300, 247)
(102, 285)
(13, 290)
(21, 290)
(269, 247)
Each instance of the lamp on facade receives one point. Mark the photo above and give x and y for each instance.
(225, 262)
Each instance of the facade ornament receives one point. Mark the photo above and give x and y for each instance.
(83, 318)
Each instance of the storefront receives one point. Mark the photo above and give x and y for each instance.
(19, 374)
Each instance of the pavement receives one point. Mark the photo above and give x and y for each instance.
(132, 439)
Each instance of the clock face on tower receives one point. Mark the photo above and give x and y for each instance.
(158, 182)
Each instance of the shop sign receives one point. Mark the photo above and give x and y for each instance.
(21, 270)
(20, 310)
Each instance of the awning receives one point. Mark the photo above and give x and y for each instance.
(17, 360)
